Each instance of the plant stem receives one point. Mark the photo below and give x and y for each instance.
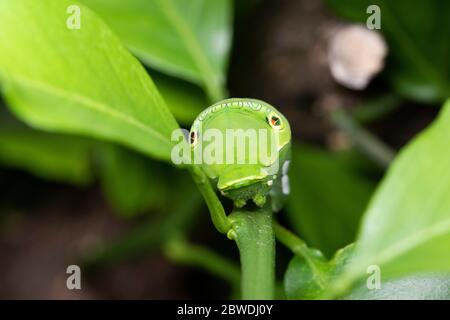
(291, 241)
(181, 251)
(253, 233)
(299, 247)
(218, 216)
(376, 108)
(363, 139)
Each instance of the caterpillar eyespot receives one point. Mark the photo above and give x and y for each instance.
(274, 120)
(193, 138)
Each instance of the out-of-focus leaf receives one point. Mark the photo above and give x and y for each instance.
(188, 39)
(406, 228)
(418, 287)
(133, 183)
(302, 281)
(185, 100)
(328, 197)
(56, 157)
(419, 45)
(80, 81)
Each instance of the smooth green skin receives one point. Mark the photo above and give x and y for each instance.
(100, 91)
(417, 41)
(242, 182)
(187, 39)
(406, 228)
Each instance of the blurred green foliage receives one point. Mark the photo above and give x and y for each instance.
(132, 183)
(418, 39)
(58, 157)
(184, 99)
(329, 192)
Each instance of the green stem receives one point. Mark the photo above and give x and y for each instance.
(181, 251)
(291, 241)
(218, 216)
(376, 108)
(253, 233)
(363, 139)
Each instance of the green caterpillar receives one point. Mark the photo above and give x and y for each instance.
(237, 176)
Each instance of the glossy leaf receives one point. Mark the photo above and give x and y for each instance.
(319, 206)
(132, 183)
(406, 228)
(418, 39)
(189, 39)
(79, 81)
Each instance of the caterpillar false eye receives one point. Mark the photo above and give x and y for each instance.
(193, 138)
(274, 121)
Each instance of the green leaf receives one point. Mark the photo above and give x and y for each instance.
(406, 228)
(188, 39)
(56, 157)
(417, 36)
(308, 276)
(321, 183)
(418, 287)
(302, 281)
(132, 183)
(78, 81)
(185, 100)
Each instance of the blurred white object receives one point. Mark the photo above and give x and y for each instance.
(356, 54)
